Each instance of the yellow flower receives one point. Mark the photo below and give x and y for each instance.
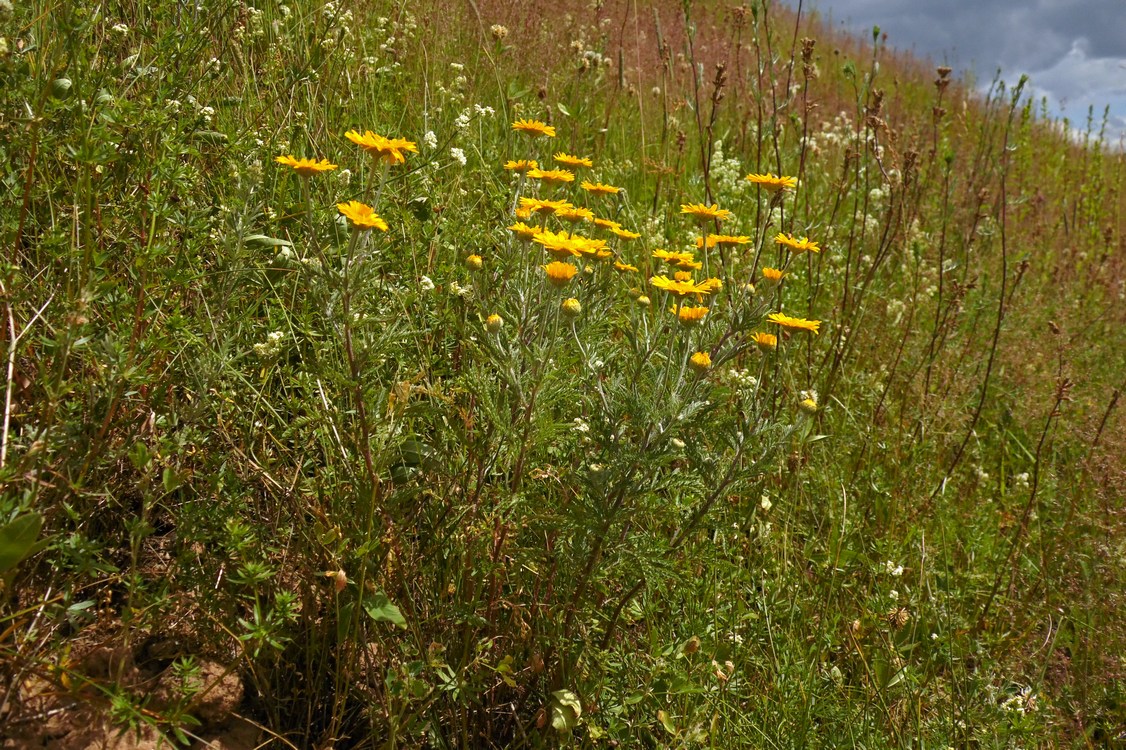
(525, 232)
(539, 206)
(534, 128)
(643, 300)
(618, 265)
(691, 316)
(712, 284)
(494, 323)
(306, 167)
(798, 244)
(563, 245)
(702, 213)
(767, 342)
(680, 260)
(552, 176)
(572, 308)
(800, 324)
(521, 166)
(573, 161)
(558, 244)
(599, 189)
(808, 405)
(362, 216)
(723, 239)
(558, 274)
(575, 213)
(607, 224)
(474, 262)
(625, 234)
(700, 362)
(773, 182)
(523, 213)
(772, 274)
(682, 276)
(387, 150)
(681, 288)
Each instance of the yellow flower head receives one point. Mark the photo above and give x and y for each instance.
(536, 205)
(625, 234)
(644, 300)
(559, 244)
(682, 288)
(521, 165)
(681, 260)
(772, 274)
(306, 167)
(700, 362)
(800, 324)
(607, 224)
(362, 216)
(773, 182)
(573, 161)
(494, 323)
(534, 128)
(767, 342)
(683, 275)
(552, 176)
(523, 213)
(559, 274)
(723, 240)
(571, 308)
(474, 262)
(797, 244)
(691, 316)
(599, 189)
(704, 213)
(575, 214)
(623, 267)
(387, 150)
(525, 232)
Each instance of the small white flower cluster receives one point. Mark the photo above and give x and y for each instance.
(430, 140)
(1021, 480)
(426, 284)
(271, 347)
(892, 569)
(120, 29)
(458, 156)
(727, 172)
(458, 290)
(895, 309)
(742, 379)
(1021, 702)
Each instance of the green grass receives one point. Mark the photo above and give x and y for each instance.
(299, 449)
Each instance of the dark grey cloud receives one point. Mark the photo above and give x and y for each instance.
(1074, 51)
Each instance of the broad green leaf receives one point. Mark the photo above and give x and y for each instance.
(379, 608)
(566, 710)
(261, 240)
(17, 540)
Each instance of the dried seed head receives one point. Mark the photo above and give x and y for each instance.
(897, 617)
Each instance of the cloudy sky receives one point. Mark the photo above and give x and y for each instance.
(1074, 51)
